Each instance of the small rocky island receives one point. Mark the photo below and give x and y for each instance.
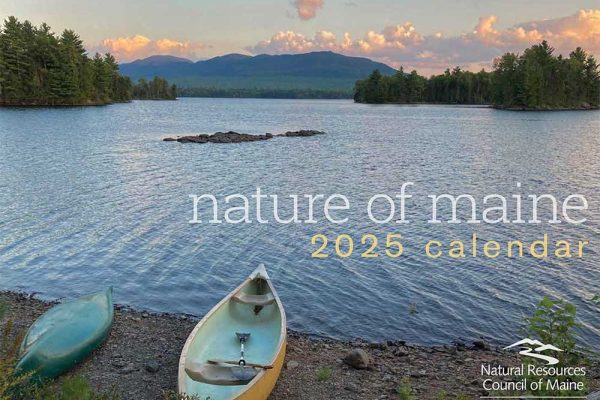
(235, 137)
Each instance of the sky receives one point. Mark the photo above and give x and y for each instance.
(425, 35)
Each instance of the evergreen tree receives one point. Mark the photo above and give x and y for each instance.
(39, 68)
(156, 89)
(537, 79)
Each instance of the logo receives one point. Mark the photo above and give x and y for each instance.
(534, 349)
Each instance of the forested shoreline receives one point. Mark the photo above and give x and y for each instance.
(40, 68)
(536, 80)
(265, 93)
(156, 89)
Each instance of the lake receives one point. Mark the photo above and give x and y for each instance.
(92, 197)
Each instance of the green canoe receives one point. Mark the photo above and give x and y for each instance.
(66, 334)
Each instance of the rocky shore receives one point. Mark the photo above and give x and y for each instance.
(140, 359)
(582, 107)
(235, 137)
(48, 103)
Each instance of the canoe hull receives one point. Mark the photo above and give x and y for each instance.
(65, 335)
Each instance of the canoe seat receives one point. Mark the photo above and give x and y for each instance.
(223, 375)
(254, 299)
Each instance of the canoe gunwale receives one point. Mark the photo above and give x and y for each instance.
(229, 297)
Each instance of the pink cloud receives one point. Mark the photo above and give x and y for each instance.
(307, 9)
(138, 46)
(403, 45)
(580, 29)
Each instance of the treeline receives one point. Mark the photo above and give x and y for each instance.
(537, 79)
(455, 87)
(37, 67)
(156, 89)
(263, 93)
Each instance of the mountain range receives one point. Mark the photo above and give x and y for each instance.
(316, 71)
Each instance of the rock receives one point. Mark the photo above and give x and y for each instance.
(152, 366)
(129, 368)
(351, 388)
(221, 137)
(357, 358)
(419, 374)
(292, 364)
(449, 349)
(119, 363)
(145, 315)
(193, 139)
(481, 345)
(236, 137)
(400, 352)
(594, 396)
(378, 346)
(302, 133)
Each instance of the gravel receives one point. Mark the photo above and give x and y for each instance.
(140, 359)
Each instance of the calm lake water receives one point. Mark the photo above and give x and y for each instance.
(91, 197)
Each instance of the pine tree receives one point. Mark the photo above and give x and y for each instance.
(37, 67)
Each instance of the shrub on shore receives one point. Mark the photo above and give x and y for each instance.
(324, 374)
(554, 322)
(405, 391)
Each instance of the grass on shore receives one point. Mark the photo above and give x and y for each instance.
(9, 381)
(405, 391)
(324, 374)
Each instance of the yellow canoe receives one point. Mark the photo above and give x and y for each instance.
(237, 350)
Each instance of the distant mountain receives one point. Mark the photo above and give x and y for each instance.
(158, 60)
(317, 71)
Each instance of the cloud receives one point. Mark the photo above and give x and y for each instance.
(402, 44)
(138, 46)
(307, 9)
(580, 29)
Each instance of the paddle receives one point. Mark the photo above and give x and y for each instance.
(233, 362)
(243, 338)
